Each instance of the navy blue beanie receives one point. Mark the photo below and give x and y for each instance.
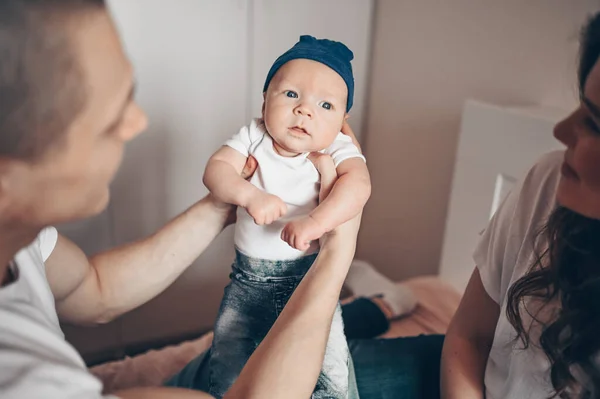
(333, 54)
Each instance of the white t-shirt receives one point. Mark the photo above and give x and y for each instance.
(293, 179)
(35, 359)
(504, 255)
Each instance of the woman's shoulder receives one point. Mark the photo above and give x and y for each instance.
(505, 249)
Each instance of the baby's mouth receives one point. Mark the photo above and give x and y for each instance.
(299, 129)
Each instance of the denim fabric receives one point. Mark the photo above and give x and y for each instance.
(400, 368)
(195, 376)
(370, 320)
(258, 292)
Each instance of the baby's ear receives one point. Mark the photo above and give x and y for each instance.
(263, 104)
(346, 116)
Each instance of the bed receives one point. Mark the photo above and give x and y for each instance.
(437, 299)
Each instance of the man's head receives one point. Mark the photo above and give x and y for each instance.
(307, 93)
(66, 109)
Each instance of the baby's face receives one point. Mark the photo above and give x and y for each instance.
(305, 106)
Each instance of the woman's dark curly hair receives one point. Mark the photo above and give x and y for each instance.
(566, 271)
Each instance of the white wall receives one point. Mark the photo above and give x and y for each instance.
(428, 57)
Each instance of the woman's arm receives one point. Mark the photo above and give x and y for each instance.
(468, 342)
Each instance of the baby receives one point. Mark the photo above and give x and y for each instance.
(307, 94)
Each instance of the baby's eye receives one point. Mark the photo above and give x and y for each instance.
(326, 105)
(291, 94)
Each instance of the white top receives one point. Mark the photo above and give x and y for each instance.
(505, 254)
(293, 179)
(35, 359)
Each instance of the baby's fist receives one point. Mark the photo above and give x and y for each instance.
(300, 232)
(266, 208)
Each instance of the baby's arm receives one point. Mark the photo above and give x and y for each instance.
(223, 178)
(347, 198)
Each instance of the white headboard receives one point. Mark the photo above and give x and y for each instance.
(497, 146)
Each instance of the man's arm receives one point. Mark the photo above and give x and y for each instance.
(96, 290)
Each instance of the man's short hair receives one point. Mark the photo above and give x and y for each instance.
(42, 87)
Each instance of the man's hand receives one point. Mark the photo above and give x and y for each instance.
(326, 168)
(249, 169)
(347, 130)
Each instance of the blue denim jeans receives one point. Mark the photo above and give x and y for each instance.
(255, 297)
(399, 368)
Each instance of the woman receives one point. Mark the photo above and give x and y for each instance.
(536, 288)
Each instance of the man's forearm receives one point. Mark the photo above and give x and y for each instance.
(288, 361)
(132, 274)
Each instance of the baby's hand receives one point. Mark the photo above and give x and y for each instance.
(300, 232)
(265, 208)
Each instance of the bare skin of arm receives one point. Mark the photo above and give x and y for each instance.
(99, 289)
(468, 342)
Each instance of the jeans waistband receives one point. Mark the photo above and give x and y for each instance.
(274, 268)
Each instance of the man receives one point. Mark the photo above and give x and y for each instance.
(67, 109)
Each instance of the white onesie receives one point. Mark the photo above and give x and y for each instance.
(293, 179)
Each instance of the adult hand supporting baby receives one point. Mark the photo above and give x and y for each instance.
(249, 169)
(347, 130)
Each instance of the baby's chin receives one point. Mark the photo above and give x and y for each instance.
(290, 150)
